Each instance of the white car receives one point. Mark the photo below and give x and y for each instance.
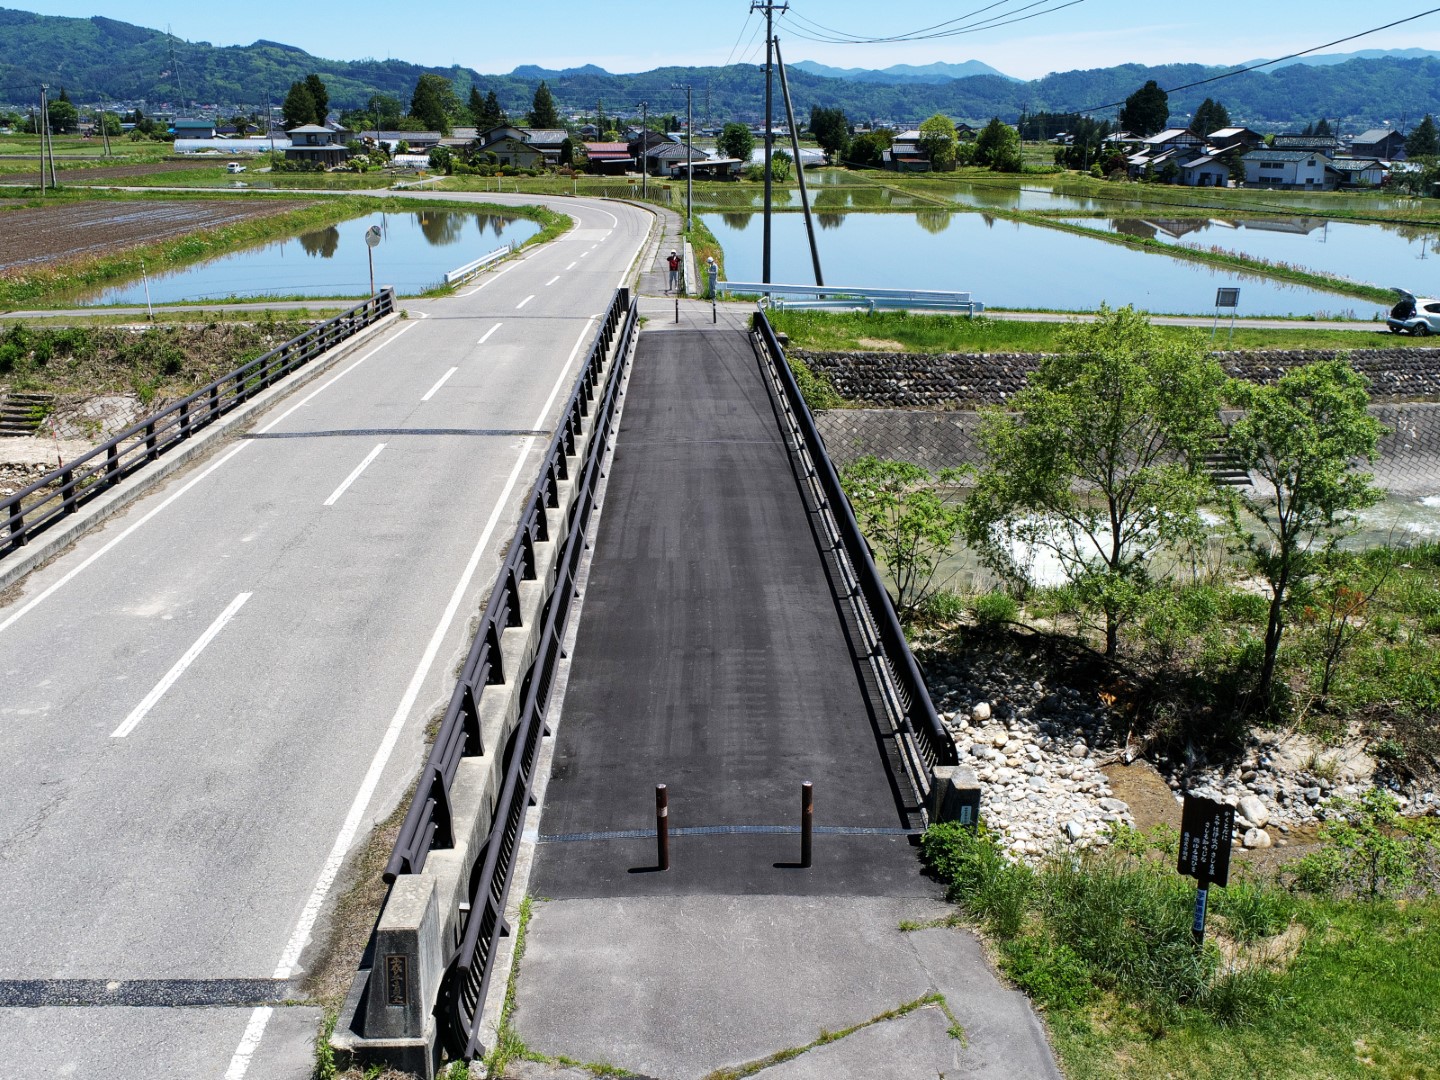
(1418, 315)
(234, 167)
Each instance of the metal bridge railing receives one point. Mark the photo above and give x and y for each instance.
(429, 823)
(64, 490)
(849, 297)
(919, 720)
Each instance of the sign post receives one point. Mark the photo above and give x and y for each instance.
(1225, 298)
(1206, 830)
(372, 241)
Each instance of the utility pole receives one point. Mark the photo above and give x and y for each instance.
(689, 154)
(644, 147)
(769, 8)
(799, 165)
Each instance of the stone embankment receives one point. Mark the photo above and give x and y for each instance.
(1038, 749)
(967, 380)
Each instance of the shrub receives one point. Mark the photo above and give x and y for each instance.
(1370, 849)
(1049, 971)
(944, 606)
(995, 609)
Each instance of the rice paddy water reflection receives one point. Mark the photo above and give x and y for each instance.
(417, 248)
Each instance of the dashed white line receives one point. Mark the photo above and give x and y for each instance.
(573, 265)
(439, 383)
(72, 574)
(335, 495)
(584, 253)
(249, 1043)
(522, 303)
(552, 281)
(488, 333)
(152, 699)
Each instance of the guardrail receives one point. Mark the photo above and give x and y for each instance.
(64, 490)
(849, 297)
(918, 718)
(470, 269)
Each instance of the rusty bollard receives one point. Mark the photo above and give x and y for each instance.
(662, 827)
(807, 822)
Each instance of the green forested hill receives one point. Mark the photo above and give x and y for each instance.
(100, 58)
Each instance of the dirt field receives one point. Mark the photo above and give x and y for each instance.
(32, 237)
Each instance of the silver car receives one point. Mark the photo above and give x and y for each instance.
(1418, 315)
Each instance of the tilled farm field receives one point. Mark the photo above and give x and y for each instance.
(32, 237)
(88, 173)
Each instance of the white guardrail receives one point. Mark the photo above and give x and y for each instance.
(849, 297)
(470, 269)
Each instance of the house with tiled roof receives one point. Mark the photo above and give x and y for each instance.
(311, 142)
(1379, 143)
(1355, 172)
(526, 148)
(1328, 145)
(1227, 138)
(608, 158)
(1289, 170)
(905, 154)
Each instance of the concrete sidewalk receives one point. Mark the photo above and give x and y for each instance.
(733, 959)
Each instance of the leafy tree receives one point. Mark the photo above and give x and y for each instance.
(1299, 435)
(1423, 141)
(434, 103)
(442, 160)
(241, 123)
(108, 122)
(1210, 116)
(1087, 145)
(908, 517)
(64, 117)
(831, 130)
(476, 105)
(998, 146)
(1322, 127)
(1099, 461)
(867, 149)
(735, 141)
(542, 109)
(299, 106)
(385, 111)
(1146, 110)
(320, 95)
(780, 162)
(567, 151)
(937, 142)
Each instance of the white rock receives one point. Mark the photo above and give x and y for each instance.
(1074, 830)
(981, 711)
(1254, 811)
(1257, 838)
(1079, 750)
(999, 737)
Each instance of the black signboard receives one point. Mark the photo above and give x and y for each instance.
(1227, 298)
(1205, 830)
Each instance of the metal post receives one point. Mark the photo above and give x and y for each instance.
(799, 167)
(662, 827)
(1197, 929)
(807, 822)
(689, 160)
(644, 147)
(769, 9)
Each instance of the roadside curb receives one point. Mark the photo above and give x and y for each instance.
(104, 507)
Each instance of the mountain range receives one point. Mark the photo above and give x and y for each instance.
(101, 59)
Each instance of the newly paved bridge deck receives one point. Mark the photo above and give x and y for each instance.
(711, 657)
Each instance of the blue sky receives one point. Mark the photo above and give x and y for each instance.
(636, 35)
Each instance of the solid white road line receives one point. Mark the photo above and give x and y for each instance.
(488, 333)
(522, 303)
(300, 936)
(152, 699)
(335, 495)
(439, 383)
(489, 281)
(552, 281)
(17, 615)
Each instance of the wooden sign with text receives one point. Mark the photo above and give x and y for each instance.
(1206, 827)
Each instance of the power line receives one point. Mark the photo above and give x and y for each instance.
(1278, 60)
(1005, 18)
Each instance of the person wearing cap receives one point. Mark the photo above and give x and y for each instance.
(674, 263)
(712, 273)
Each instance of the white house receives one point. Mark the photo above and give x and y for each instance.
(1287, 169)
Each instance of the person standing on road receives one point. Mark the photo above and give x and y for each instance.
(712, 273)
(674, 263)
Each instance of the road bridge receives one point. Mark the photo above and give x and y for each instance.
(211, 700)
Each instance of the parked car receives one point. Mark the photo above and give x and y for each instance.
(1418, 315)
(234, 167)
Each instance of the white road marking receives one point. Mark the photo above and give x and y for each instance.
(552, 281)
(153, 698)
(583, 254)
(290, 958)
(439, 383)
(47, 593)
(573, 265)
(522, 303)
(488, 333)
(335, 495)
(249, 1043)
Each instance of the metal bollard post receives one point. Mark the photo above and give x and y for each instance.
(662, 827)
(807, 821)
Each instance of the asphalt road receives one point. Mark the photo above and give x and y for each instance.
(210, 701)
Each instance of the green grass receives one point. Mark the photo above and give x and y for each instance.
(1306, 987)
(922, 333)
